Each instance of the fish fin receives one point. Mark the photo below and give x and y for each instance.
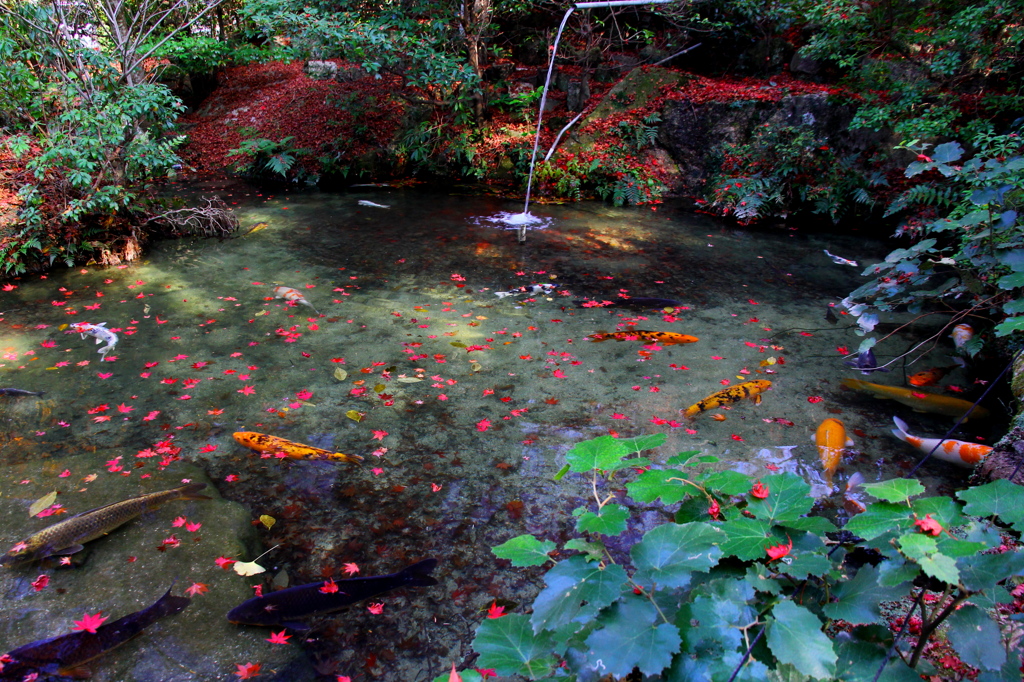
(419, 573)
(72, 549)
(757, 399)
(79, 672)
(901, 429)
(191, 492)
(849, 443)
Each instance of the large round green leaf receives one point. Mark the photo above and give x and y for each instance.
(669, 553)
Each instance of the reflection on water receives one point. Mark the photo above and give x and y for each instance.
(463, 402)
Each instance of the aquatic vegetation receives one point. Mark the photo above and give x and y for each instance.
(746, 582)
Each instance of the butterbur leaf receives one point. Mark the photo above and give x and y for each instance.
(976, 638)
(690, 458)
(601, 453)
(593, 550)
(524, 550)
(247, 568)
(726, 482)
(924, 550)
(656, 483)
(576, 590)
(998, 498)
(795, 637)
(856, 600)
(669, 553)
(980, 572)
(744, 538)
(610, 520)
(509, 645)
(42, 503)
(880, 518)
(629, 637)
(947, 152)
(897, 490)
(639, 443)
(788, 498)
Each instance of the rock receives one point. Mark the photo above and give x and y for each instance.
(350, 73)
(125, 572)
(577, 95)
(320, 71)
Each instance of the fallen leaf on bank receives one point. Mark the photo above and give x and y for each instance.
(42, 503)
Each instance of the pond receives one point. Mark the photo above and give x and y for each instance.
(461, 401)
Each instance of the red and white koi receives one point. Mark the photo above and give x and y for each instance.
(293, 296)
(957, 452)
(961, 334)
(98, 332)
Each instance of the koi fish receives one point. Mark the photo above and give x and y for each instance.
(838, 260)
(865, 362)
(532, 289)
(65, 655)
(262, 442)
(853, 496)
(641, 302)
(930, 377)
(961, 334)
(293, 296)
(831, 441)
(957, 452)
(285, 608)
(366, 202)
(748, 389)
(19, 392)
(68, 536)
(98, 332)
(919, 401)
(664, 338)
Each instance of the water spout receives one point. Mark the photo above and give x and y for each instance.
(547, 82)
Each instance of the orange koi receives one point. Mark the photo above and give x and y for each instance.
(929, 377)
(664, 338)
(262, 442)
(919, 401)
(957, 452)
(831, 441)
(748, 389)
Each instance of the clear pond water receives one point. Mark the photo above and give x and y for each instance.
(462, 402)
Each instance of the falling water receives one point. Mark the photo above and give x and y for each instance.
(523, 221)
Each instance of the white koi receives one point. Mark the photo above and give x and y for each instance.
(961, 334)
(365, 202)
(957, 452)
(98, 332)
(839, 260)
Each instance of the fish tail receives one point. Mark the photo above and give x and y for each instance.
(419, 573)
(170, 604)
(598, 337)
(855, 384)
(342, 457)
(191, 492)
(901, 430)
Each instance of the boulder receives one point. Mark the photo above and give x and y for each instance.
(320, 71)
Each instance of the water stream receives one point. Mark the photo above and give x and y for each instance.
(463, 403)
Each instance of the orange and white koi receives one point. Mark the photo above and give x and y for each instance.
(853, 496)
(664, 338)
(919, 401)
(262, 442)
(831, 440)
(930, 377)
(748, 389)
(961, 334)
(957, 452)
(293, 296)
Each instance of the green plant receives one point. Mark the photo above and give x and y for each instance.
(264, 156)
(968, 262)
(745, 584)
(785, 169)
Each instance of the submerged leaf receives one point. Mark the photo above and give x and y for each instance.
(340, 374)
(354, 415)
(42, 503)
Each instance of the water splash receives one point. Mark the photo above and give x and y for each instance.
(515, 221)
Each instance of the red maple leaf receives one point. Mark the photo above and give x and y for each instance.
(248, 671)
(928, 525)
(329, 587)
(495, 611)
(224, 562)
(780, 550)
(278, 637)
(350, 569)
(759, 490)
(197, 588)
(89, 623)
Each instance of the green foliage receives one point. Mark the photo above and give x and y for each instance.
(266, 158)
(970, 260)
(694, 597)
(783, 170)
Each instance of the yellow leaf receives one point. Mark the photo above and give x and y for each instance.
(476, 366)
(247, 568)
(770, 360)
(42, 503)
(340, 374)
(354, 415)
(481, 317)
(267, 520)
(379, 388)
(90, 478)
(63, 327)
(457, 344)
(409, 380)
